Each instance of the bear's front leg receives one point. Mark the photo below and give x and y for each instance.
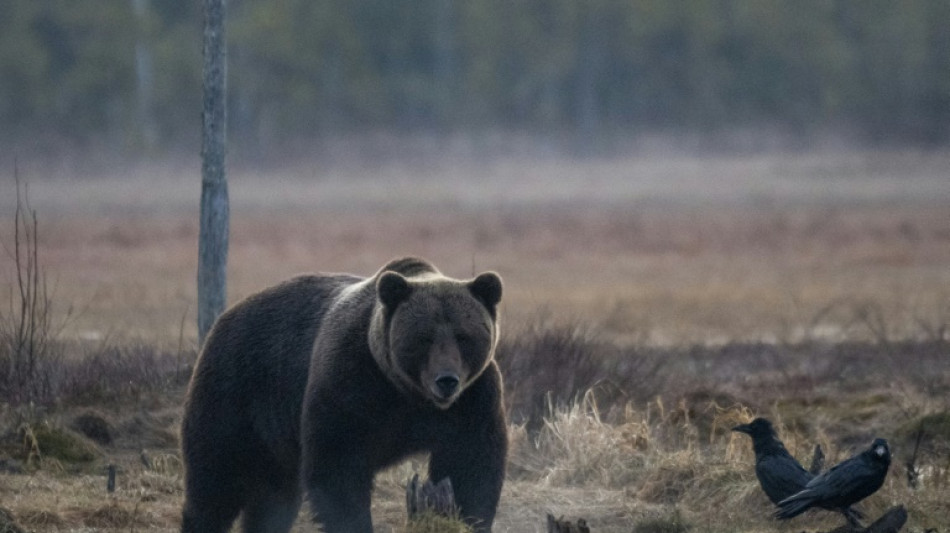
(472, 453)
(336, 475)
(477, 472)
(339, 493)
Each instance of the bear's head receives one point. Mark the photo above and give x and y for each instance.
(434, 335)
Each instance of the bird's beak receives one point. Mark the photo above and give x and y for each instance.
(880, 451)
(743, 428)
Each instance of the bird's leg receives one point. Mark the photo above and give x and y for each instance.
(852, 516)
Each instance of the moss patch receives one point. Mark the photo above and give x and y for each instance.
(43, 441)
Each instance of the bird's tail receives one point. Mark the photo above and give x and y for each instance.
(794, 505)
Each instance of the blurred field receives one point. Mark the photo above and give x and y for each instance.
(810, 288)
(663, 249)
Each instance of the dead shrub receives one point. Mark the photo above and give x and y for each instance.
(167, 464)
(29, 353)
(575, 447)
(113, 373)
(706, 414)
(555, 364)
(924, 448)
(33, 369)
(161, 483)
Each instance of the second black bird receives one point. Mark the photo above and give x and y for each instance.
(845, 484)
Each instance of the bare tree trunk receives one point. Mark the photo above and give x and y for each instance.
(144, 78)
(590, 69)
(213, 236)
(445, 65)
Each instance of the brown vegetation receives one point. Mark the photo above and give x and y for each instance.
(665, 464)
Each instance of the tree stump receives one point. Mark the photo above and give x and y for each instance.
(559, 525)
(110, 479)
(436, 498)
(890, 522)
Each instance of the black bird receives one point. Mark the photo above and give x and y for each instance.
(780, 475)
(845, 484)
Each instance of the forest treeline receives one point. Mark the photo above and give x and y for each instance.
(130, 70)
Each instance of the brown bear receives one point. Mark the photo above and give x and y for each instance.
(310, 387)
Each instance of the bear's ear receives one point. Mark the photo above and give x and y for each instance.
(392, 289)
(487, 288)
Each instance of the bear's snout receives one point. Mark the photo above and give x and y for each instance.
(446, 384)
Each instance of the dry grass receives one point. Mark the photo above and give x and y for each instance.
(686, 294)
(705, 482)
(652, 467)
(571, 359)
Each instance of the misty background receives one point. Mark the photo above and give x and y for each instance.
(125, 76)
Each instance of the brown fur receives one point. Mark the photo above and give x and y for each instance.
(323, 380)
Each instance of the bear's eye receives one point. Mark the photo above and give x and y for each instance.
(463, 339)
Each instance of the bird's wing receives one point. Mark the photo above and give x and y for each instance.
(781, 476)
(851, 480)
(796, 504)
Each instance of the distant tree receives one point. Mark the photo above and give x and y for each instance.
(213, 235)
(144, 76)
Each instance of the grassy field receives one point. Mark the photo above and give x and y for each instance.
(813, 289)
